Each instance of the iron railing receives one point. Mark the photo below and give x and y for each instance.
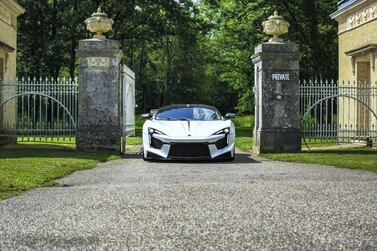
(341, 111)
(38, 109)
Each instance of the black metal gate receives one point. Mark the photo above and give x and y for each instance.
(340, 111)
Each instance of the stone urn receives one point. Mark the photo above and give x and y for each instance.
(275, 26)
(99, 23)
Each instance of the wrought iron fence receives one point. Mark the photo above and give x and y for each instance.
(38, 109)
(341, 111)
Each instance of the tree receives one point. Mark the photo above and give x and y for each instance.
(182, 51)
(236, 30)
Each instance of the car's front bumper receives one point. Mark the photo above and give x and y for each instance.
(162, 147)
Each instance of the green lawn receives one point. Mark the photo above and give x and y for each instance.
(244, 137)
(353, 158)
(312, 144)
(25, 166)
(134, 140)
(244, 143)
(244, 132)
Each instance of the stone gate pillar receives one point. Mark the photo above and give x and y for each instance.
(98, 126)
(277, 119)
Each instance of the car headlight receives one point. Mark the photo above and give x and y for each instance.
(223, 131)
(154, 131)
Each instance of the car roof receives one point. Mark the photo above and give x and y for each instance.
(168, 107)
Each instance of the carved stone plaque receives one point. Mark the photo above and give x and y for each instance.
(363, 16)
(98, 62)
(5, 15)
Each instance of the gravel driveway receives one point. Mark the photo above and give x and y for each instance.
(248, 204)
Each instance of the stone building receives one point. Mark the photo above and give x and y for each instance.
(357, 31)
(9, 11)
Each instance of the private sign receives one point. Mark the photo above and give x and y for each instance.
(280, 77)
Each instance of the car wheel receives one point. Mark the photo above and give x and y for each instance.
(234, 155)
(144, 157)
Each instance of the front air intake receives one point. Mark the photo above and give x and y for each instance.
(189, 150)
(222, 143)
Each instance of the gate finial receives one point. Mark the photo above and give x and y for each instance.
(275, 26)
(99, 23)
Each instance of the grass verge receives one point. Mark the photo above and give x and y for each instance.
(352, 158)
(26, 166)
(134, 140)
(244, 132)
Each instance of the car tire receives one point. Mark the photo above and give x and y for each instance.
(144, 157)
(234, 155)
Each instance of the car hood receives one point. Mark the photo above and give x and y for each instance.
(193, 128)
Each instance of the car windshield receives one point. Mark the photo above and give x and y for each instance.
(188, 113)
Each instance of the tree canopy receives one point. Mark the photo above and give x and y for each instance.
(182, 51)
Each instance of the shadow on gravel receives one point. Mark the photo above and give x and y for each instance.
(241, 158)
(37, 152)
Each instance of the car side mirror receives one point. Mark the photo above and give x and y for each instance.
(230, 115)
(146, 115)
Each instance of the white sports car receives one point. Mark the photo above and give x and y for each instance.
(188, 132)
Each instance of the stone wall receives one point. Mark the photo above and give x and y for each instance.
(9, 11)
(365, 34)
